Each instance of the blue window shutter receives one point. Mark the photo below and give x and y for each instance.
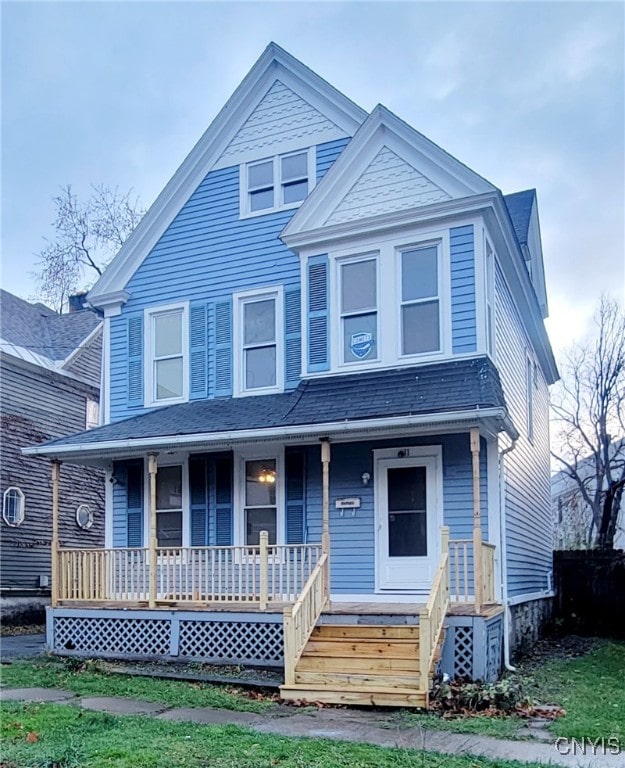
(134, 351)
(223, 347)
(295, 495)
(198, 492)
(222, 468)
(198, 350)
(318, 341)
(134, 503)
(292, 337)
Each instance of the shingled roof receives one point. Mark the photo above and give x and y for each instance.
(519, 206)
(41, 330)
(441, 388)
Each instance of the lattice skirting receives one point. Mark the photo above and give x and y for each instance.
(473, 647)
(221, 638)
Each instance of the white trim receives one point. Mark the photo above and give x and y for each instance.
(244, 210)
(149, 314)
(239, 459)
(430, 457)
(105, 377)
(108, 508)
(530, 597)
(238, 302)
(307, 431)
(387, 597)
(494, 513)
(21, 510)
(337, 261)
(274, 63)
(88, 338)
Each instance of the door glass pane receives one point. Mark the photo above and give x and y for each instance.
(295, 167)
(260, 175)
(260, 483)
(407, 518)
(257, 520)
(359, 338)
(260, 321)
(420, 328)
(169, 488)
(358, 289)
(168, 378)
(169, 529)
(260, 367)
(168, 334)
(419, 274)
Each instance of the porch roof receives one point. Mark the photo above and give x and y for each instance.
(442, 392)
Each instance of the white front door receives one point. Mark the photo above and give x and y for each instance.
(409, 514)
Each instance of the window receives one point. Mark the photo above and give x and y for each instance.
(13, 507)
(260, 500)
(278, 182)
(530, 377)
(489, 275)
(259, 366)
(359, 316)
(167, 344)
(169, 506)
(92, 415)
(84, 517)
(420, 303)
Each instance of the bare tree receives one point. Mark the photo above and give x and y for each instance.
(589, 414)
(87, 236)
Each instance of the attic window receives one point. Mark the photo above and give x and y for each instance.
(275, 183)
(13, 507)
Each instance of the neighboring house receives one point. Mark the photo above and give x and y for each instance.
(324, 356)
(50, 374)
(571, 515)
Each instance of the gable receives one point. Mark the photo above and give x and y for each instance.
(282, 121)
(388, 184)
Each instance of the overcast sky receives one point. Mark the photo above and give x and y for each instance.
(528, 94)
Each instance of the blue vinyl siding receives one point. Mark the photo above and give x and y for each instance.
(463, 310)
(207, 253)
(528, 485)
(353, 538)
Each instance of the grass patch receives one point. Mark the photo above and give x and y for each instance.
(591, 688)
(497, 727)
(63, 736)
(86, 680)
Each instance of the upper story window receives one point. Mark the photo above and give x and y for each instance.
(92, 413)
(420, 301)
(359, 310)
(278, 182)
(167, 355)
(258, 368)
(13, 507)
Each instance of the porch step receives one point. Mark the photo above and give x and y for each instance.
(366, 665)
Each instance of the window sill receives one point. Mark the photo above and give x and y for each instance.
(266, 211)
(161, 403)
(259, 391)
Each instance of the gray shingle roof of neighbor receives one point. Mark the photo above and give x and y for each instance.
(42, 330)
(428, 389)
(519, 206)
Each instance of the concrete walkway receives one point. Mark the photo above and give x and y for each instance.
(22, 646)
(340, 724)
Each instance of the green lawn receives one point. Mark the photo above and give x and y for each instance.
(591, 688)
(63, 736)
(90, 682)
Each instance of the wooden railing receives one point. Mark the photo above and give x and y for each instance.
(245, 574)
(432, 617)
(301, 618)
(462, 572)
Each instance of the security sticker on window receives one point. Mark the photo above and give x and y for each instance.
(361, 344)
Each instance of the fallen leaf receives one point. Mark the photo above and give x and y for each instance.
(31, 737)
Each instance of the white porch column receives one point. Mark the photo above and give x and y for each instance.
(54, 553)
(478, 576)
(325, 510)
(152, 541)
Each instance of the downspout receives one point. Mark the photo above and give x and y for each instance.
(504, 558)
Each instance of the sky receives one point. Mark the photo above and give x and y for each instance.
(528, 94)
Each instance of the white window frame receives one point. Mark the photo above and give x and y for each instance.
(92, 408)
(175, 460)
(240, 300)
(21, 506)
(440, 297)
(240, 458)
(489, 297)
(278, 204)
(90, 520)
(340, 263)
(150, 381)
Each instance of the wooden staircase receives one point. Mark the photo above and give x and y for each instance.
(360, 664)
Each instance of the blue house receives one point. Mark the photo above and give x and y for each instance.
(326, 435)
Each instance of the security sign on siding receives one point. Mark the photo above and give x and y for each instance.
(361, 344)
